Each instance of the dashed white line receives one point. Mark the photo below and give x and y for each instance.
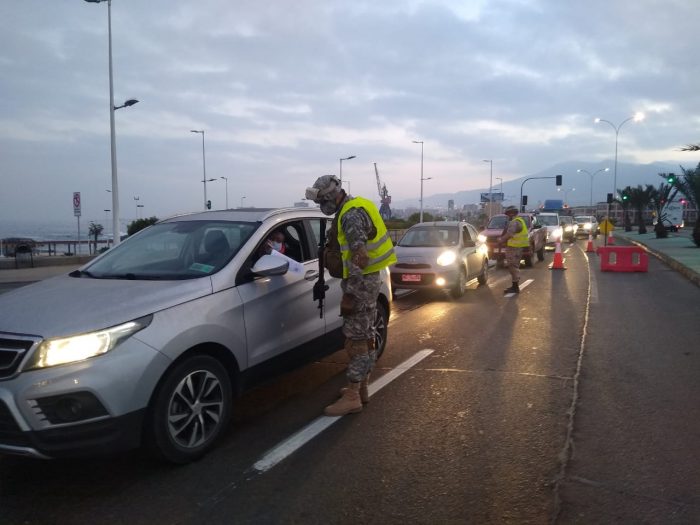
(290, 445)
(523, 285)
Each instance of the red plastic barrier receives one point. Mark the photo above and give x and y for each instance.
(623, 259)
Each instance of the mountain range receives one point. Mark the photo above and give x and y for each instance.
(575, 189)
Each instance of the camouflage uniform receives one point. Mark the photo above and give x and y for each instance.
(513, 254)
(358, 326)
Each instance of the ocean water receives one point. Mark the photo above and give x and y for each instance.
(49, 231)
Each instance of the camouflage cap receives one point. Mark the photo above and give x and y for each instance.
(510, 209)
(327, 186)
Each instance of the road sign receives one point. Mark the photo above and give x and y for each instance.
(76, 203)
(606, 226)
(495, 197)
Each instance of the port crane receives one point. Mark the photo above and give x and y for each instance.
(384, 197)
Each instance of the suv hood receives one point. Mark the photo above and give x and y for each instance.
(68, 305)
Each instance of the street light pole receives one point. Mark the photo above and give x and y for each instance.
(113, 140)
(137, 206)
(490, 161)
(204, 165)
(421, 177)
(637, 117)
(593, 175)
(226, 179)
(242, 200)
(341, 168)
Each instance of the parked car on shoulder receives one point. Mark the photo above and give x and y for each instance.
(148, 343)
(495, 228)
(587, 224)
(569, 227)
(440, 255)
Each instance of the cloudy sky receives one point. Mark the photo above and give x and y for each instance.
(285, 89)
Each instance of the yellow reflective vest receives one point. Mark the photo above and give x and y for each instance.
(380, 249)
(521, 239)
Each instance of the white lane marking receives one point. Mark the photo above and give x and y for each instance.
(524, 285)
(290, 445)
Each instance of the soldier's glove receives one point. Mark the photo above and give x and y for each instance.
(360, 257)
(347, 304)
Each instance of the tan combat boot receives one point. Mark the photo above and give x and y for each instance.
(350, 403)
(364, 394)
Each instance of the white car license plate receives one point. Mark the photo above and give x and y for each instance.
(410, 277)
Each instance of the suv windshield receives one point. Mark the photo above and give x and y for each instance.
(498, 222)
(548, 220)
(174, 250)
(565, 219)
(583, 219)
(431, 236)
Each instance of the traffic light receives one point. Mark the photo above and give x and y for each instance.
(208, 205)
(524, 200)
(671, 178)
(610, 198)
(625, 197)
(558, 180)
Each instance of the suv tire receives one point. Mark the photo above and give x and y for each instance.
(189, 411)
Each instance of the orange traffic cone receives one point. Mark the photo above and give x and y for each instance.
(589, 247)
(611, 239)
(558, 262)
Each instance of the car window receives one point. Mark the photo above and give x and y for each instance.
(466, 235)
(430, 236)
(472, 232)
(565, 220)
(548, 220)
(497, 223)
(174, 250)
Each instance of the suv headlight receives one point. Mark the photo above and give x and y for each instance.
(447, 258)
(60, 351)
(482, 238)
(556, 233)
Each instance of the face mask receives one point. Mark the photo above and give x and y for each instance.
(328, 207)
(276, 245)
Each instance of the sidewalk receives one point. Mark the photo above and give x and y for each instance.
(677, 251)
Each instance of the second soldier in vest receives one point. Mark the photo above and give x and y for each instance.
(515, 237)
(358, 248)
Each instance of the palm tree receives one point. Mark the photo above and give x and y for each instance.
(689, 185)
(640, 198)
(95, 231)
(625, 205)
(660, 197)
(691, 147)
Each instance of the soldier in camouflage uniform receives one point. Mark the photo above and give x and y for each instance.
(357, 222)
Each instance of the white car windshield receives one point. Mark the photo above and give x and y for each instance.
(498, 222)
(173, 251)
(430, 236)
(548, 220)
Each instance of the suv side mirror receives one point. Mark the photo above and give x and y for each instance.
(269, 265)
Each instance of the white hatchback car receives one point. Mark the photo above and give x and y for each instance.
(148, 343)
(440, 255)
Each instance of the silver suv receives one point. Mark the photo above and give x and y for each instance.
(148, 343)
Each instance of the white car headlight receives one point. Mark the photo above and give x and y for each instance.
(60, 351)
(482, 237)
(587, 226)
(556, 233)
(569, 228)
(447, 258)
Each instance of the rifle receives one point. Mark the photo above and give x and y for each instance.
(320, 286)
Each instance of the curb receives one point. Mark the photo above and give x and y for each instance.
(688, 273)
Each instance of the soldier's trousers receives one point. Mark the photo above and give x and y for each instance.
(359, 325)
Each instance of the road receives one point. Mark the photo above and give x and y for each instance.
(574, 402)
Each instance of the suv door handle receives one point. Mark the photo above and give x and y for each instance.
(311, 275)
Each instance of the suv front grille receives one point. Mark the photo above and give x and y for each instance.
(11, 353)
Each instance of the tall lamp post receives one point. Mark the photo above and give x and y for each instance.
(242, 200)
(341, 167)
(566, 194)
(637, 117)
(204, 165)
(226, 179)
(113, 150)
(421, 177)
(593, 175)
(137, 206)
(490, 161)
